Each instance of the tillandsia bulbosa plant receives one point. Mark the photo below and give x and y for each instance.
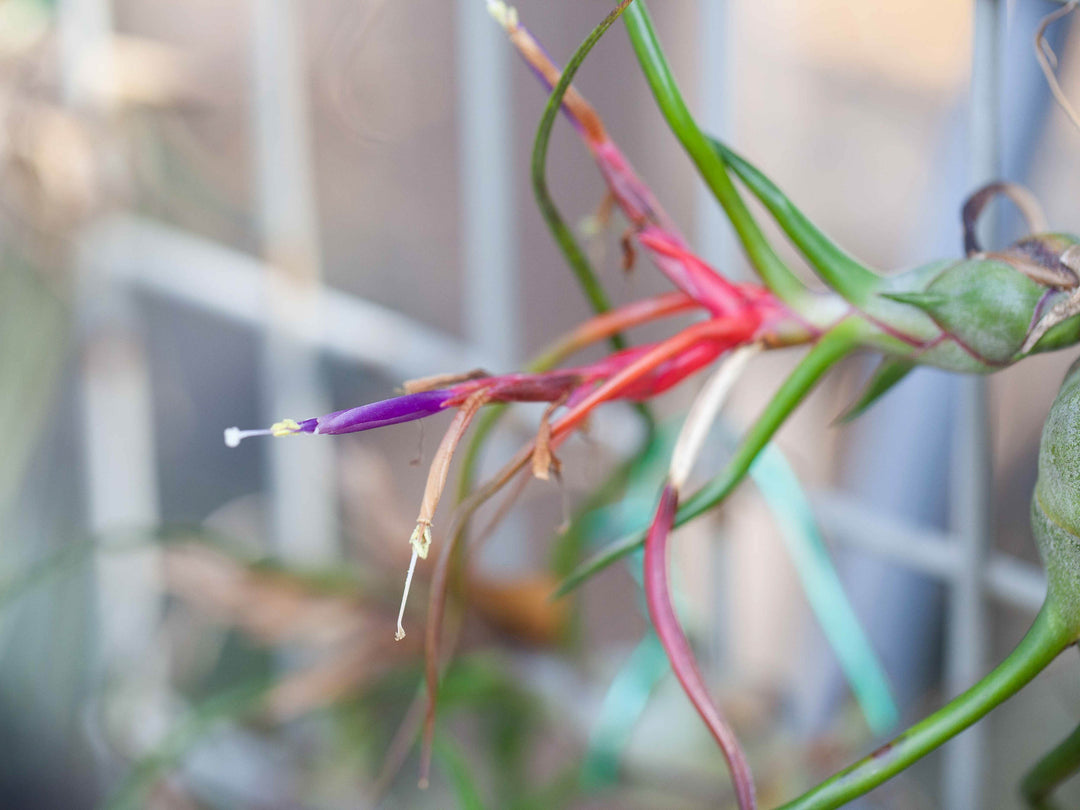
(974, 313)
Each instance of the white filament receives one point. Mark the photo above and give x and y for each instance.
(703, 411)
(400, 634)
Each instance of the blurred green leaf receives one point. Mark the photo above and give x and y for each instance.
(33, 335)
(209, 715)
(508, 715)
(78, 551)
(605, 512)
(559, 792)
(457, 768)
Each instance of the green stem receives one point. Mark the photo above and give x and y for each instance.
(568, 549)
(832, 346)
(853, 280)
(768, 264)
(1047, 637)
(560, 231)
(1050, 771)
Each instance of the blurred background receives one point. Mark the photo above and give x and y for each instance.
(225, 213)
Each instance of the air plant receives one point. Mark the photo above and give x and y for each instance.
(973, 314)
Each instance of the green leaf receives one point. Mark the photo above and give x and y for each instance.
(889, 372)
(560, 231)
(925, 301)
(772, 269)
(853, 280)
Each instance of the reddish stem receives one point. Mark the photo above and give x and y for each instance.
(730, 331)
(679, 653)
(608, 323)
(440, 581)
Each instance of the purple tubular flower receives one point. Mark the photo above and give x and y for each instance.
(374, 415)
(379, 414)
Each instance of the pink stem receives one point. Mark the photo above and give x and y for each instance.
(668, 629)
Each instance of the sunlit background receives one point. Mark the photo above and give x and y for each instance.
(224, 213)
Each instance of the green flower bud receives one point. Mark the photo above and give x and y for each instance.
(985, 305)
(1055, 507)
(994, 308)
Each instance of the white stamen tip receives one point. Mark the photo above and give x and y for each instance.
(234, 435)
(504, 15)
(420, 540)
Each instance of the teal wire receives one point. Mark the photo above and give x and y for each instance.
(787, 501)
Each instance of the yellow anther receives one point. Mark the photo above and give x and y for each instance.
(286, 427)
(420, 539)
